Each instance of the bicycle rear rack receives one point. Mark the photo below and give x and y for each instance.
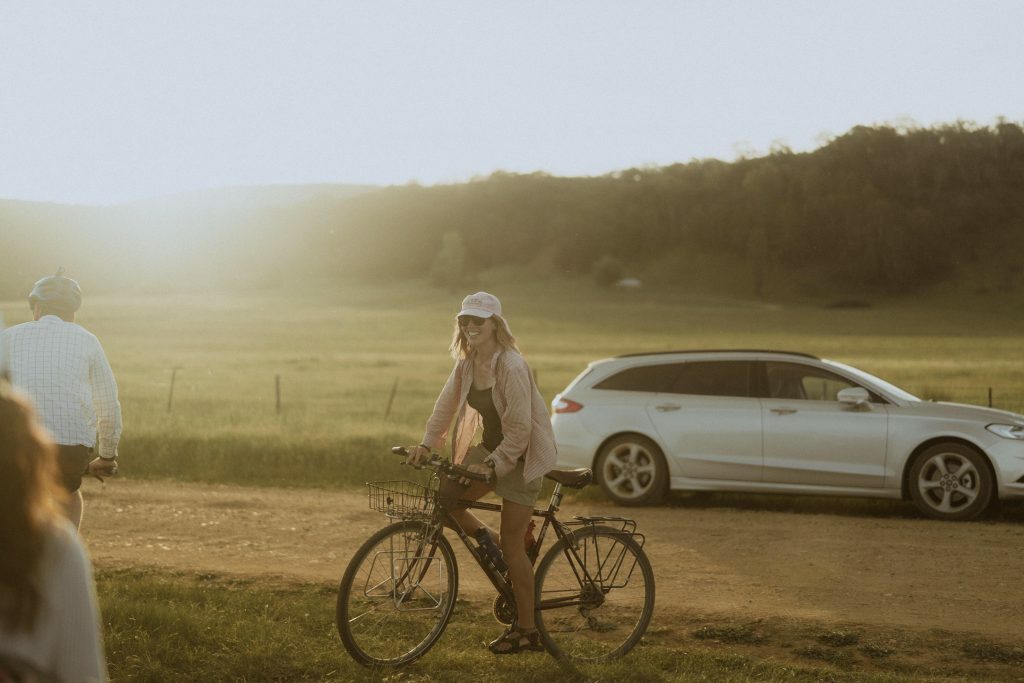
(626, 526)
(609, 561)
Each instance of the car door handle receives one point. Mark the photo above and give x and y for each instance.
(783, 411)
(667, 407)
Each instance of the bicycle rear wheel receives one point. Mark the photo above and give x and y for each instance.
(594, 604)
(397, 595)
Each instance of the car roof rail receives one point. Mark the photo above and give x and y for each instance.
(669, 353)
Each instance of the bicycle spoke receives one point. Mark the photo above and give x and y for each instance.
(594, 603)
(397, 596)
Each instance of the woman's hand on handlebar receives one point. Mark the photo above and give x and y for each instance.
(418, 455)
(421, 455)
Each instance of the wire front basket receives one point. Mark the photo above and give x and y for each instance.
(401, 499)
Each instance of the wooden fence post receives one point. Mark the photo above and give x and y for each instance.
(170, 393)
(391, 398)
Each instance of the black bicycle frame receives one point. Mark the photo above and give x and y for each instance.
(500, 583)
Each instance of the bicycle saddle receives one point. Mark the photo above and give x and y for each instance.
(575, 479)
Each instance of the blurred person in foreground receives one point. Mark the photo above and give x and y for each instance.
(63, 370)
(491, 388)
(49, 619)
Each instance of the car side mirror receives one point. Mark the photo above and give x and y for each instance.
(856, 397)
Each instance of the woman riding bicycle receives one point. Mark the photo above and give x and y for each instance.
(492, 387)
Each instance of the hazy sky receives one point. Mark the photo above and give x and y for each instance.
(105, 101)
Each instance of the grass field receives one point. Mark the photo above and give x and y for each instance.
(164, 626)
(340, 355)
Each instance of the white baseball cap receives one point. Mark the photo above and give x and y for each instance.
(481, 304)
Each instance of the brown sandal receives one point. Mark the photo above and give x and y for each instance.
(515, 640)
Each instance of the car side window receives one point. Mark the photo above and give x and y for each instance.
(652, 378)
(714, 378)
(803, 382)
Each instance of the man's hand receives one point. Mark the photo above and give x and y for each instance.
(102, 467)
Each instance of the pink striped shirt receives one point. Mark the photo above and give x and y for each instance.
(525, 423)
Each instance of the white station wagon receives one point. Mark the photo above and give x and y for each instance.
(780, 422)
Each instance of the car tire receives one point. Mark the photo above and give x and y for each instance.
(951, 481)
(631, 470)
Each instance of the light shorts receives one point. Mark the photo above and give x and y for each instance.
(511, 486)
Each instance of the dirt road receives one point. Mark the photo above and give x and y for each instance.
(890, 572)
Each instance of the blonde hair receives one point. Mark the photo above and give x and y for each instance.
(502, 334)
(29, 497)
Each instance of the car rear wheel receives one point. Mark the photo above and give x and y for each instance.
(951, 481)
(632, 471)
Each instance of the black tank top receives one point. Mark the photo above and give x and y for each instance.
(483, 403)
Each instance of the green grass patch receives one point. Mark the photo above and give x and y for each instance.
(876, 650)
(987, 651)
(729, 633)
(839, 638)
(338, 359)
(840, 658)
(269, 460)
(162, 625)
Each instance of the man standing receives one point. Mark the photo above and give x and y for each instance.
(63, 369)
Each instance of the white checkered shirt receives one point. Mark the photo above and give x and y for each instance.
(62, 368)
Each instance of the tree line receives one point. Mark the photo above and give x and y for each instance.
(879, 207)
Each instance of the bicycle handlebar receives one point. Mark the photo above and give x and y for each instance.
(451, 470)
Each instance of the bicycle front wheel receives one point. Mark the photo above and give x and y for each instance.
(397, 595)
(594, 602)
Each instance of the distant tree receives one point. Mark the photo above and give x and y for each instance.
(757, 255)
(449, 264)
(764, 189)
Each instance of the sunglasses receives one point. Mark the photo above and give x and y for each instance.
(465, 320)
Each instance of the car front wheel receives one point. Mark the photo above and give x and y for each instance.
(632, 471)
(951, 481)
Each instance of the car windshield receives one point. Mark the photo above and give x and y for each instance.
(867, 377)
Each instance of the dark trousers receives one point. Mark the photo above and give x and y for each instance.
(73, 461)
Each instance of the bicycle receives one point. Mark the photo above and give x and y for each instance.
(594, 585)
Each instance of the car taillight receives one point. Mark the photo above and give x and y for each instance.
(564, 405)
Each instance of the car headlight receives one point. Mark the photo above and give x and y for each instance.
(1015, 432)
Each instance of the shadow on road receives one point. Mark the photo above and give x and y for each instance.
(1009, 512)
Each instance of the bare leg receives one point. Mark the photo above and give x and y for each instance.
(451, 492)
(73, 508)
(515, 517)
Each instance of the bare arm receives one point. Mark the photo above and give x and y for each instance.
(79, 655)
(444, 411)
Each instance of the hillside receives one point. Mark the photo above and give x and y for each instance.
(875, 212)
(215, 238)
